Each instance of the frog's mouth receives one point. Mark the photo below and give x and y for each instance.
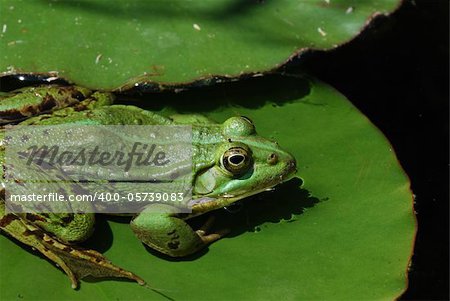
(288, 174)
(210, 201)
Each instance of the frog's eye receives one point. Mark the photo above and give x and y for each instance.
(238, 127)
(236, 160)
(247, 119)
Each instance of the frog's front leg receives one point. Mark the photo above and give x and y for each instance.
(75, 262)
(159, 227)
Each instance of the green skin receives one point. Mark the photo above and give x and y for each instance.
(215, 185)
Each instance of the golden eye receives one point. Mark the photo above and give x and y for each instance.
(272, 159)
(236, 160)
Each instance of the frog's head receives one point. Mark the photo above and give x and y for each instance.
(243, 164)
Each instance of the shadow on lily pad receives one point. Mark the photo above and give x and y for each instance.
(250, 92)
(284, 204)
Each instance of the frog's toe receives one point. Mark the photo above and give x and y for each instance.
(207, 237)
(212, 237)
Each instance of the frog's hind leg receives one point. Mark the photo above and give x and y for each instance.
(28, 102)
(68, 228)
(96, 100)
(75, 262)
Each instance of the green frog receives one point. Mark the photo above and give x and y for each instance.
(230, 162)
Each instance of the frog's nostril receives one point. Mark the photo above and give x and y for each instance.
(290, 169)
(292, 164)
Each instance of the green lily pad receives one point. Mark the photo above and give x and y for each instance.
(103, 44)
(345, 234)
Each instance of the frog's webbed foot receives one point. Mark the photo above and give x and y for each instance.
(77, 263)
(207, 237)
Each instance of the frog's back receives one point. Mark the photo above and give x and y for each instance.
(108, 115)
